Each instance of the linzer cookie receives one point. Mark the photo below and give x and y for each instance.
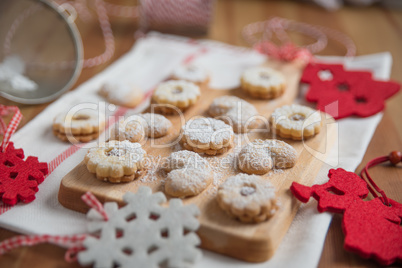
(122, 94)
(189, 174)
(133, 128)
(296, 122)
(263, 82)
(116, 161)
(81, 126)
(175, 95)
(260, 156)
(157, 125)
(248, 198)
(207, 135)
(191, 73)
(238, 113)
(136, 127)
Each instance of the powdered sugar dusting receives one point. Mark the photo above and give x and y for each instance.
(264, 77)
(177, 90)
(235, 111)
(193, 73)
(207, 131)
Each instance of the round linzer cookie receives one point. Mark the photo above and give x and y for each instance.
(248, 198)
(189, 174)
(238, 113)
(122, 94)
(263, 82)
(81, 126)
(260, 156)
(296, 122)
(157, 125)
(207, 135)
(175, 95)
(136, 127)
(116, 161)
(191, 73)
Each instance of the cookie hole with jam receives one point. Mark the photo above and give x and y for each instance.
(297, 117)
(177, 90)
(247, 190)
(264, 75)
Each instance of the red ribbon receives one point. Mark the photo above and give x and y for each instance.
(260, 34)
(9, 130)
(73, 242)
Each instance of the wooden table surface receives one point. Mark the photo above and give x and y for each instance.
(374, 29)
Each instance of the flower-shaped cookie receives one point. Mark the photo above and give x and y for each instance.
(207, 135)
(116, 161)
(296, 122)
(248, 198)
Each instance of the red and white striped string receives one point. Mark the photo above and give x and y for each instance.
(9, 130)
(287, 50)
(72, 242)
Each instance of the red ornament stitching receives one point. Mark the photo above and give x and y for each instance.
(371, 228)
(357, 92)
(19, 178)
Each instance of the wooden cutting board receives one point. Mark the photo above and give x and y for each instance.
(219, 232)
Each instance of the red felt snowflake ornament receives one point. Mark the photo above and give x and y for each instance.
(19, 178)
(356, 92)
(372, 229)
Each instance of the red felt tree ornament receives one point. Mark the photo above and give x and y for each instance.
(356, 92)
(19, 178)
(372, 228)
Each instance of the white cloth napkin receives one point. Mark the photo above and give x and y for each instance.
(151, 60)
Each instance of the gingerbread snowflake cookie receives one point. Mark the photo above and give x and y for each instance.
(174, 95)
(263, 82)
(238, 113)
(260, 156)
(248, 198)
(116, 161)
(136, 127)
(189, 174)
(207, 135)
(122, 94)
(296, 122)
(192, 73)
(81, 126)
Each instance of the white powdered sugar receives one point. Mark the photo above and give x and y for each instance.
(192, 73)
(176, 91)
(255, 154)
(119, 92)
(244, 189)
(156, 123)
(123, 153)
(131, 128)
(296, 117)
(235, 111)
(264, 77)
(83, 118)
(12, 75)
(204, 130)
